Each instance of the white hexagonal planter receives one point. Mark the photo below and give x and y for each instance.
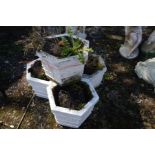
(62, 70)
(68, 117)
(97, 77)
(39, 86)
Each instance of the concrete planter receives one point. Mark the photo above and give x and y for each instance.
(64, 69)
(39, 86)
(97, 77)
(72, 118)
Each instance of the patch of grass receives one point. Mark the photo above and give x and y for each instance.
(109, 77)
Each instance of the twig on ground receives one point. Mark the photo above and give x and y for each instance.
(25, 111)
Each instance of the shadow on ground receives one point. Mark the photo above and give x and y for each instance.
(126, 102)
(12, 59)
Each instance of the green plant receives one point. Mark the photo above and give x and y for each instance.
(80, 106)
(73, 46)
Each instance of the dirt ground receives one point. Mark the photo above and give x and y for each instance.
(126, 102)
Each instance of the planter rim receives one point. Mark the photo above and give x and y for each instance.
(59, 59)
(90, 103)
(65, 34)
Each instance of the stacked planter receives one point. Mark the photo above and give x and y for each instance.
(63, 71)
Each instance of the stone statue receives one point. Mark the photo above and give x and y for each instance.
(49, 30)
(146, 71)
(148, 47)
(133, 37)
(78, 30)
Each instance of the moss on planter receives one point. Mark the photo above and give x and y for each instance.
(93, 64)
(73, 95)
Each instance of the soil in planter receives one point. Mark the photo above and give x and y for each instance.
(93, 65)
(73, 96)
(37, 71)
(61, 47)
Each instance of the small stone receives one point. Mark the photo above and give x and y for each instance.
(14, 111)
(142, 85)
(23, 108)
(33, 104)
(12, 126)
(39, 117)
(6, 61)
(139, 101)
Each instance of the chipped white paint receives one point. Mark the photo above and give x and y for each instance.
(97, 77)
(61, 70)
(146, 71)
(68, 117)
(39, 86)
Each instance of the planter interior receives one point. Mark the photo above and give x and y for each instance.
(73, 95)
